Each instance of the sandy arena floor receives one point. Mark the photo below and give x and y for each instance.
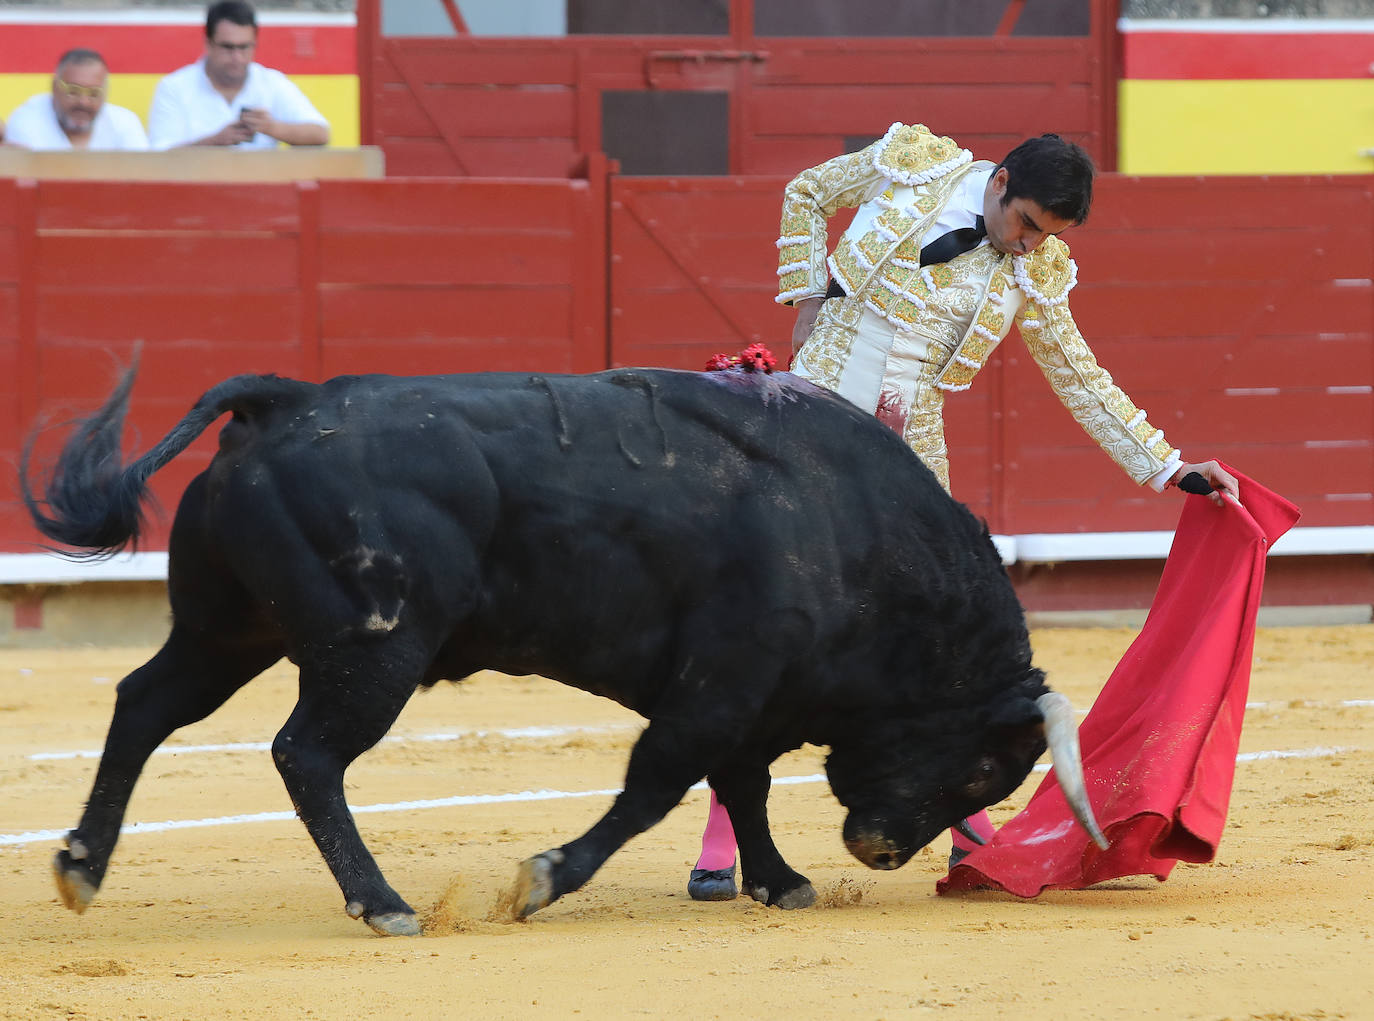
(235, 915)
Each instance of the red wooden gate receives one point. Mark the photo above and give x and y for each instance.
(775, 88)
(690, 270)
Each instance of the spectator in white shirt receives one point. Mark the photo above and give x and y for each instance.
(75, 115)
(226, 99)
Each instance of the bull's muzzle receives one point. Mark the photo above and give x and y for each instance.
(872, 845)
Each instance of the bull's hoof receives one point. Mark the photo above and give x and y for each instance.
(534, 883)
(799, 897)
(74, 884)
(712, 884)
(394, 923)
(802, 896)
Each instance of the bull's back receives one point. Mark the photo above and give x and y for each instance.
(668, 465)
(586, 518)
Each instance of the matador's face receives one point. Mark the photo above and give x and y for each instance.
(1020, 225)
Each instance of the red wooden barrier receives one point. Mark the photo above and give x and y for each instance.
(690, 268)
(528, 106)
(309, 280)
(423, 276)
(1244, 322)
(1241, 320)
(14, 410)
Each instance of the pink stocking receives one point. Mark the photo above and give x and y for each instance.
(981, 825)
(718, 840)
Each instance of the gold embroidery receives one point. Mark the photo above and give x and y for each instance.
(955, 294)
(847, 268)
(828, 347)
(872, 246)
(1087, 390)
(990, 319)
(815, 195)
(1049, 268)
(909, 250)
(792, 281)
(811, 198)
(976, 347)
(896, 221)
(914, 149)
(942, 276)
(925, 425)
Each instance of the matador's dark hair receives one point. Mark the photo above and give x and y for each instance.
(1054, 173)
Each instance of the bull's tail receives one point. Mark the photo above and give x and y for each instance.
(91, 499)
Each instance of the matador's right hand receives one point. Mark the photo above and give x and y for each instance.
(807, 311)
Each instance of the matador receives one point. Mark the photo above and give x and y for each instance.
(944, 254)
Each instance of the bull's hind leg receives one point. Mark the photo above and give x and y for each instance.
(185, 682)
(349, 699)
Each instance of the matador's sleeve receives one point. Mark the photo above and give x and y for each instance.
(1105, 412)
(809, 200)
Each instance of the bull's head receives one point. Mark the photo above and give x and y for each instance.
(911, 782)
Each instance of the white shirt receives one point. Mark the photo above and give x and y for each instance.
(34, 126)
(965, 205)
(186, 106)
(963, 208)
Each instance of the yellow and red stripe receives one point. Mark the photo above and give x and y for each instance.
(318, 52)
(1279, 96)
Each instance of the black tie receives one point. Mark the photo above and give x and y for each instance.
(942, 249)
(956, 242)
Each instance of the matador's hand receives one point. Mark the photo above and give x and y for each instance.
(1222, 482)
(807, 310)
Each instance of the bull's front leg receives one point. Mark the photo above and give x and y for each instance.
(767, 877)
(663, 765)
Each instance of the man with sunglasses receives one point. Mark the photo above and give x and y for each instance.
(226, 98)
(75, 115)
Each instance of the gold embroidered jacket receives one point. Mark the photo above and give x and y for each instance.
(904, 180)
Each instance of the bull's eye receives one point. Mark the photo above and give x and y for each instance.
(980, 780)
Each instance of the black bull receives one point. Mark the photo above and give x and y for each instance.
(748, 562)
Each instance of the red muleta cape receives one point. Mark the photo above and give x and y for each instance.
(1159, 745)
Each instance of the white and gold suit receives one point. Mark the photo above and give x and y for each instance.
(903, 335)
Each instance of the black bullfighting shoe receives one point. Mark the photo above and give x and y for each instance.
(956, 855)
(713, 884)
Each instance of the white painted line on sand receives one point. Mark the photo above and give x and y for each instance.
(44, 836)
(547, 732)
(512, 733)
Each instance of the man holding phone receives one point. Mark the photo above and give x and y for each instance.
(225, 98)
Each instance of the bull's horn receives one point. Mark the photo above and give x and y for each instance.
(965, 830)
(1061, 734)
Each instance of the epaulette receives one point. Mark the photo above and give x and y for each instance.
(913, 154)
(1046, 275)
